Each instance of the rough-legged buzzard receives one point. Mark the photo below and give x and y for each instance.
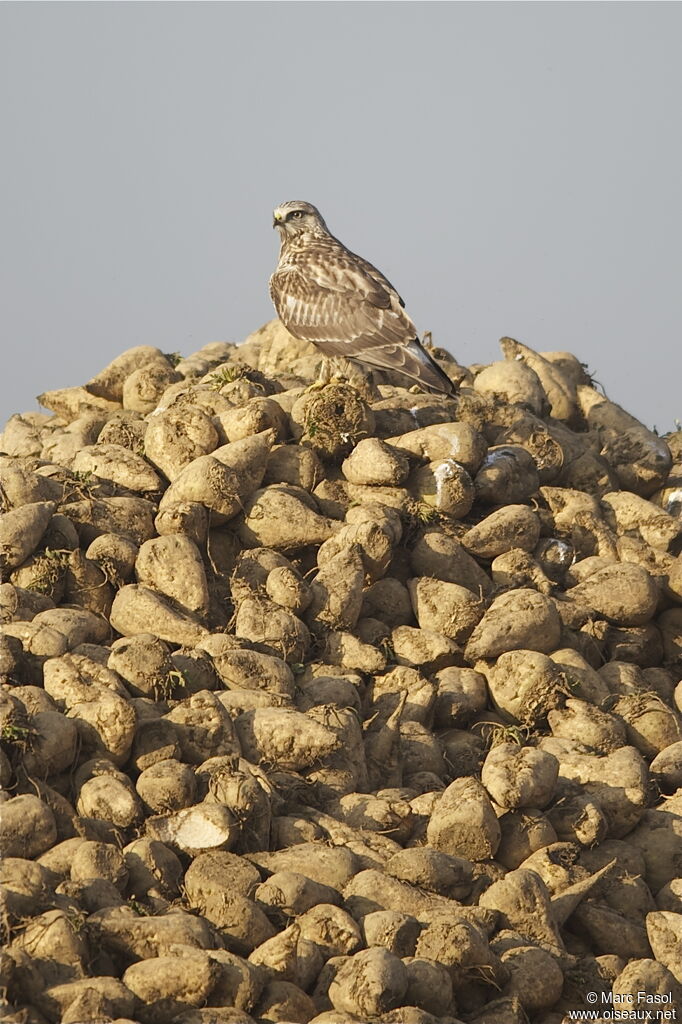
(325, 294)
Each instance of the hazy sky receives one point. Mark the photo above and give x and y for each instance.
(513, 168)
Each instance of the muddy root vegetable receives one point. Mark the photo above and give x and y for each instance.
(463, 823)
(333, 704)
(520, 619)
(279, 517)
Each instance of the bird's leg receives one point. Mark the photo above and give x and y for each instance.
(335, 370)
(324, 375)
(339, 370)
(356, 374)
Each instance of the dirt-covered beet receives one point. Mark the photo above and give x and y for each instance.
(338, 704)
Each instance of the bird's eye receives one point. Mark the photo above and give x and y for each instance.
(297, 213)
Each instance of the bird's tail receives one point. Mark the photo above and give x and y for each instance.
(413, 361)
(426, 371)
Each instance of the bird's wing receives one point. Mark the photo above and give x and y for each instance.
(379, 278)
(346, 324)
(327, 295)
(328, 263)
(340, 322)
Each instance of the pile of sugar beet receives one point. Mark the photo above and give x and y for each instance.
(343, 703)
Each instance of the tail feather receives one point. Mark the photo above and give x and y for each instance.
(431, 375)
(414, 362)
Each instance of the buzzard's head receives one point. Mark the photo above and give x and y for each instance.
(296, 217)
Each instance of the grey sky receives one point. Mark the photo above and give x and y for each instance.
(513, 168)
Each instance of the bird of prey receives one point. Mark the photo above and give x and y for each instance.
(325, 294)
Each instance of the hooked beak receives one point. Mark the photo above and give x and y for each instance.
(277, 219)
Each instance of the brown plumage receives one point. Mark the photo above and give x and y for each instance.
(325, 294)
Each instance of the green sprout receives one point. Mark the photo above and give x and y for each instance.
(15, 735)
(507, 734)
(226, 375)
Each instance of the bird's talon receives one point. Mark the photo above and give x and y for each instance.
(320, 385)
